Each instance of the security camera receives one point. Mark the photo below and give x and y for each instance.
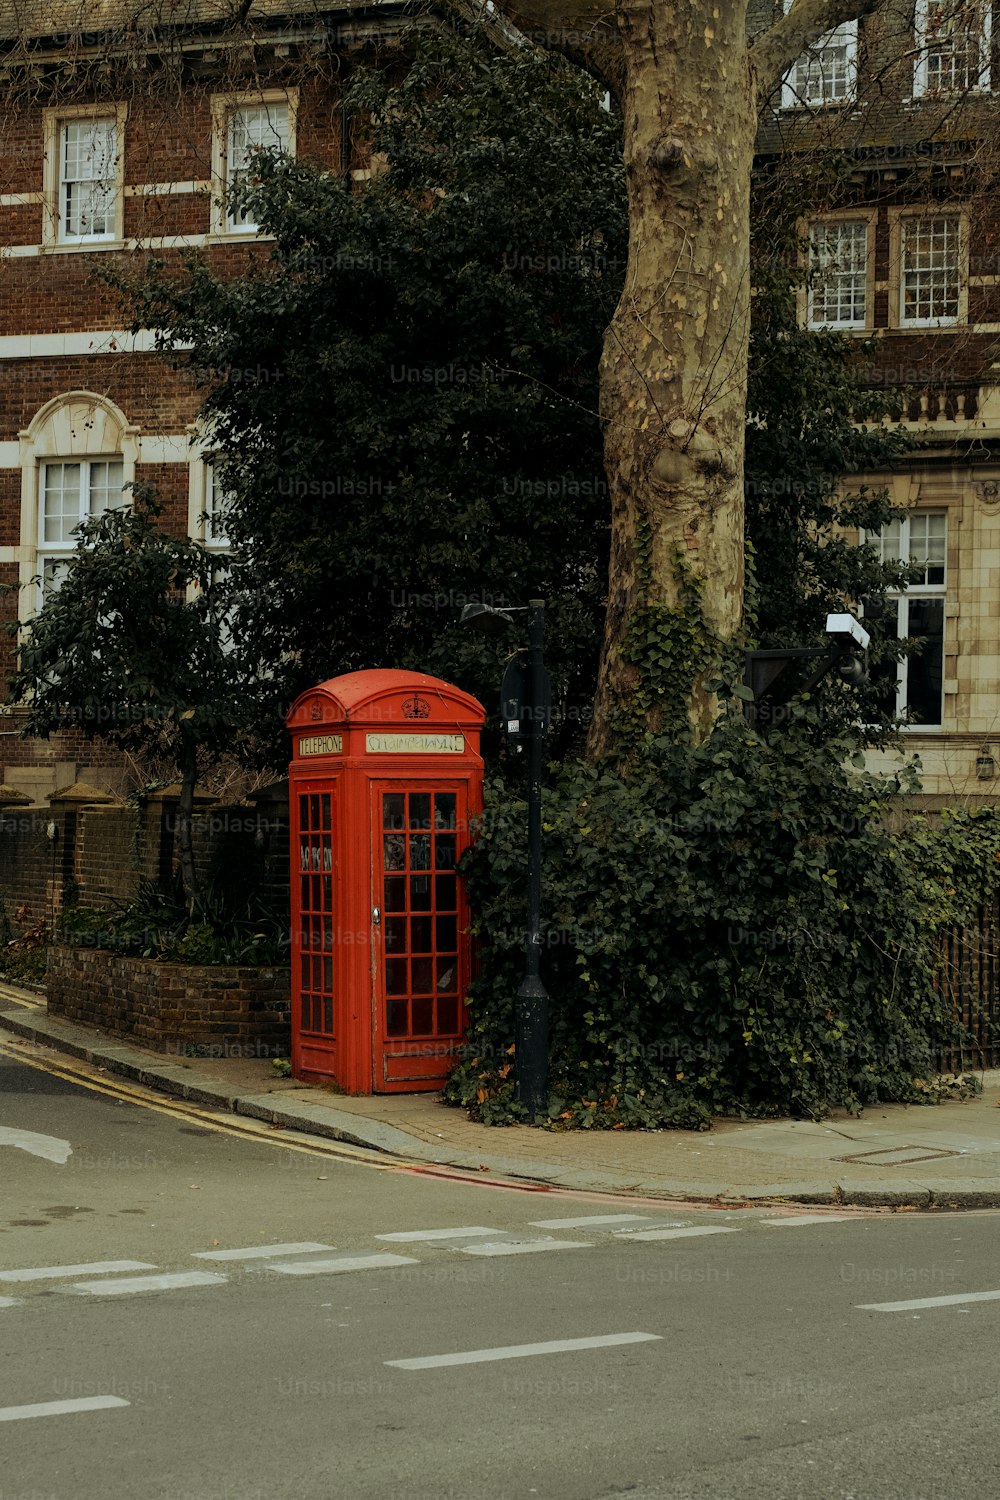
(847, 633)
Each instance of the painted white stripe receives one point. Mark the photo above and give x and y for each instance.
(675, 1234)
(520, 1351)
(165, 1283)
(806, 1219)
(590, 1220)
(523, 1247)
(951, 1301)
(48, 1147)
(266, 1252)
(408, 1236)
(9, 1301)
(94, 1268)
(341, 1263)
(59, 1408)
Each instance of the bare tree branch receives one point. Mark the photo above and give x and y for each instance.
(775, 50)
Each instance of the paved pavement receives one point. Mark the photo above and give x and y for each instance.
(935, 1156)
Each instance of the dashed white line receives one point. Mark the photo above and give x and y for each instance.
(519, 1351)
(341, 1263)
(413, 1236)
(524, 1247)
(121, 1286)
(950, 1301)
(264, 1252)
(674, 1234)
(797, 1219)
(588, 1221)
(59, 1408)
(9, 1301)
(95, 1268)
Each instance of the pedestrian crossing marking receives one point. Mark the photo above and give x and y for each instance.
(341, 1263)
(413, 1236)
(805, 1219)
(590, 1221)
(121, 1286)
(59, 1408)
(674, 1234)
(95, 1268)
(520, 1351)
(523, 1247)
(919, 1302)
(9, 1301)
(261, 1252)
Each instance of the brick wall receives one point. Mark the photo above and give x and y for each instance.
(237, 1012)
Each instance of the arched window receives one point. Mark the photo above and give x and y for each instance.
(77, 455)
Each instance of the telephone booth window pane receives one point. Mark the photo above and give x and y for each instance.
(304, 853)
(444, 851)
(420, 809)
(395, 935)
(420, 893)
(328, 934)
(447, 892)
(395, 893)
(420, 851)
(444, 810)
(447, 970)
(447, 935)
(306, 1008)
(396, 1017)
(304, 892)
(393, 852)
(304, 961)
(394, 810)
(423, 976)
(324, 803)
(395, 976)
(447, 1017)
(423, 1018)
(420, 935)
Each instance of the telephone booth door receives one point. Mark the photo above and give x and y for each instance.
(419, 954)
(314, 830)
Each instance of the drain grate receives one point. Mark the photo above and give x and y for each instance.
(895, 1156)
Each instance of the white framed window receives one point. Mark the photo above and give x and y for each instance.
(839, 288)
(243, 125)
(826, 73)
(69, 493)
(83, 185)
(928, 266)
(913, 689)
(952, 47)
(216, 538)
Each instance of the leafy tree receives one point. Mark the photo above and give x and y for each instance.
(133, 647)
(403, 392)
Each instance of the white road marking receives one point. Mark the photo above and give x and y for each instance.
(519, 1351)
(59, 1408)
(49, 1147)
(164, 1283)
(674, 1234)
(950, 1301)
(341, 1263)
(590, 1220)
(95, 1268)
(255, 1252)
(9, 1301)
(411, 1236)
(524, 1247)
(806, 1219)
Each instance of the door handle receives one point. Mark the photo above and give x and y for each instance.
(376, 916)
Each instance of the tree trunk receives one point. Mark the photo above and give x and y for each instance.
(673, 372)
(185, 847)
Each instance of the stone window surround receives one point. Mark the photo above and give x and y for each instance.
(870, 215)
(926, 211)
(791, 98)
(222, 106)
(921, 48)
(52, 122)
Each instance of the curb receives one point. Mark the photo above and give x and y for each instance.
(328, 1123)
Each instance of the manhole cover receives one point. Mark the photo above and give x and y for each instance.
(895, 1156)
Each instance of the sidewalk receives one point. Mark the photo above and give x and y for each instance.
(901, 1156)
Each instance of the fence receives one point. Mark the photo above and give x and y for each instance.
(969, 978)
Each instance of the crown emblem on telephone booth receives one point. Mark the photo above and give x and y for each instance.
(416, 708)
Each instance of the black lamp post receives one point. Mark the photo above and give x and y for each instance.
(525, 714)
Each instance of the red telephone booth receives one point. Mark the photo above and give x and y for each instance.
(384, 778)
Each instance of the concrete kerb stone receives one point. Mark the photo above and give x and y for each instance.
(326, 1121)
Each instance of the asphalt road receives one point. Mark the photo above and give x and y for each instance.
(736, 1355)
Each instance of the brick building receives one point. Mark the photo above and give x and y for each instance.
(123, 126)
